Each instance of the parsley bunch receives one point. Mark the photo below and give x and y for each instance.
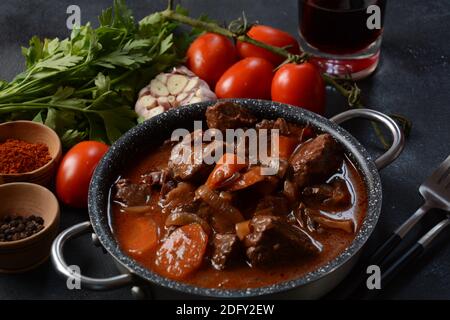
(84, 87)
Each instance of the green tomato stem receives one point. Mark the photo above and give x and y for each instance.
(357, 104)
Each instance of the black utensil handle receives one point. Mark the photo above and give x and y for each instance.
(385, 250)
(400, 263)
(356, 285)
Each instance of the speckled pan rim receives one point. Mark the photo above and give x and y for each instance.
(121, 151)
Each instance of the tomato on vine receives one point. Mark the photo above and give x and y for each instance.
(209, 56)
(299, 85)
(248, 78)
(271, 36)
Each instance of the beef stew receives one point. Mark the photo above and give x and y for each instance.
(256, 230)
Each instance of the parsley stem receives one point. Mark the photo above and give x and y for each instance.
(170, 5)
(113, 81)
(11, 107)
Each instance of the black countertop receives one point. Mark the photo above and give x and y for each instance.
(412, 79)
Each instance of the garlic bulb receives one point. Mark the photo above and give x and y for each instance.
(170, 90)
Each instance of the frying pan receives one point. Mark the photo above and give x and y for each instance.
(152, 133)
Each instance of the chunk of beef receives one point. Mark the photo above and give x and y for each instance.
(267, 186)
(333, 196)
(161, 179)
(279, 124)
(290, 191)
(228, 115)
(132, 194)
(193, 169)
(273, 205)
(286, 129)
(316, 160)
(272, 239)
(225, 249)
(154, 178)
(180, 199)
(222, 214)
(186, 160)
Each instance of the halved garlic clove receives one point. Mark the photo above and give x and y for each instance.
(158, 89)
(192, 84)
(144, 104)
(155, 111)
(162, 77)
(148, 102)
(182, 96)
(144, 91)
(186, 100)
(176, 84)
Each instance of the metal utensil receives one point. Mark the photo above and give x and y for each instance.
(436, 193)
(390, 269)
(416, 250)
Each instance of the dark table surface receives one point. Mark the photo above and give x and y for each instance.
(412, 79)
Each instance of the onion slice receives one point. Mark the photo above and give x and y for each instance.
(137, 209)
(184, 218)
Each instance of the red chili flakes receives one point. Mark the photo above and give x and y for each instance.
(17, 156)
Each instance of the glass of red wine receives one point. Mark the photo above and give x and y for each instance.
(343, 36)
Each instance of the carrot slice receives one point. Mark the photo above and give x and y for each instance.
(286, 146)
(226, 167)
(182, 252)
(142, 236)
(247, 179)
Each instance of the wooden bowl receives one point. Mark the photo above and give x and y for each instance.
(25, 199)
(33, 132)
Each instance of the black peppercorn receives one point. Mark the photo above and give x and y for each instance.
(13, 228)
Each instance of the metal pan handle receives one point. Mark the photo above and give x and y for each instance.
(398, 137)
(87, 282)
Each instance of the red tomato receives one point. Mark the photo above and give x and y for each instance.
(76, 170)
(299, 85)
(209, 56)
(248, 78)
(268, 35)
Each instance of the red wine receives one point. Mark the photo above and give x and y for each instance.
(338, 26)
